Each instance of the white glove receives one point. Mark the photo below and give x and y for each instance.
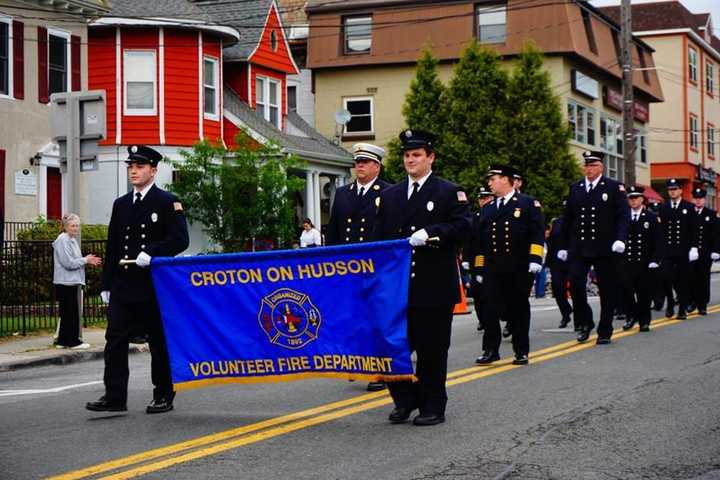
(478, 278)
(143, 260)
(693, 254)
(653, 265)
(715, 256)
(562, 255)
(465, 265)
(534, 267)
(618, 246)
(105, 296)
(417, 239)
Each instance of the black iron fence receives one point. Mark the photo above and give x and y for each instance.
(27, 295)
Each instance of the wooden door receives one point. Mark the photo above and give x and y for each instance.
(54, 193)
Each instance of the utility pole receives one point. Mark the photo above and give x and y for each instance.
(627, 89)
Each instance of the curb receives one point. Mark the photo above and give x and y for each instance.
(64, 358)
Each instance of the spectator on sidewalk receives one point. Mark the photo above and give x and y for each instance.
(310, 236)
(68, 278)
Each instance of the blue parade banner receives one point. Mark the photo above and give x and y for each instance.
(288, 314)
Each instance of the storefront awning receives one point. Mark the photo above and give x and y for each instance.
(652, 195)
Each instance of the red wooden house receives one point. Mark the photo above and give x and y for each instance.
(178, 71)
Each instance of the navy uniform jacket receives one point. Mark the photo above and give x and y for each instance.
(352, 217)
(472, 253)
(706, 223)
(595, 220)
(553, 241)
(157, 227)
(440, 208)
(514, 235)
(645, 241)
(679, 232)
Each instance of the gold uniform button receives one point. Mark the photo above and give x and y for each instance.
(126, 237)
(413, 263)
(362, 220)
(362, 229)
(142, 246)
(126, 256)
(412, 275)
(347, 229)
(142, 236)
(361, 239)
(412, 228)
(349, 220)
(126, 267)
(347, 239)
(126, 247)
(142, 225)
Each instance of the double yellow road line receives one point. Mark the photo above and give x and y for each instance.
(171, 455)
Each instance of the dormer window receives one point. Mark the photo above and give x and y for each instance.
(491, 23)
(267, 99)
(358, 34)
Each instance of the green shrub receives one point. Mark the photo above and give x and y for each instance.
(43, 229)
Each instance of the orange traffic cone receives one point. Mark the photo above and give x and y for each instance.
(461, 308)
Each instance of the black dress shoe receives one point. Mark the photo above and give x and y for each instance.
(657, 306)
(620, 317)
(669, 312)
(487, 358)
(427, 419)
(102, 405)
(644, 328)
(690, 308)
(160, 405)
(520, 360)
(480, 327)
(681, 315)
(506, 332)
(400, 414)
(603, 341)
(564, 322)
(583, 334)
(629, 324)
(702, 310)
(376, 386)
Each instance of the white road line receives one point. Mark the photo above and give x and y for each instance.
(35, 391)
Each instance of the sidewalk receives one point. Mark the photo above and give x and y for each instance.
(38, 350)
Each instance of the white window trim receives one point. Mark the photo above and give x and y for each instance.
(694, 132)
(710, 78)
(139, 112)
(346, 49)
(266, 98)
(216, 75)
(372, 116)
(617, 124)
(692, 65)
(640, 136)
(491, 8)
(11, 60)
(711, 141)
(595, 127)
(68, 56)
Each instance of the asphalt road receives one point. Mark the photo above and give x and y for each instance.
(645, 407)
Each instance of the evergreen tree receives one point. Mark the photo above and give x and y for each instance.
(475, 110)
(420, 110)
(537, 135)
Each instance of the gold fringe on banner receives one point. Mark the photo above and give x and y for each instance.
(290, 377)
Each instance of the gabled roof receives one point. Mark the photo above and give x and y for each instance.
(313, 145)
(247, 16)
(660, 16)
(157, 9)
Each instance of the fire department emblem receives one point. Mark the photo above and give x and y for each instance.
(289, 318)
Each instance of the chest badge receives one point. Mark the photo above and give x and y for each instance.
(707, 219)
(516, 214)
(377, 202)
(430, 206)
(646, 225)
(376, 187)
(154, 217)
(604, 197)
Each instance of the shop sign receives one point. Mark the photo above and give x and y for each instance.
(584, 85)
(614, 99)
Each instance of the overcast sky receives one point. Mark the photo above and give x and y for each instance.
(695, 6)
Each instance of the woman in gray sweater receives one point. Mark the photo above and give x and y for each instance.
(69, 277)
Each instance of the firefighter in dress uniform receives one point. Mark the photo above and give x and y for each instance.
(352, 216)
(434, 213)
(679, 237)
(474, 261)
(559, 273)
(595, 229)
(512, 244)
(145, 223)
(642, 255)
(706, 222)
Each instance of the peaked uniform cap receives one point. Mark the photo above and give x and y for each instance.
(141, 154)
(412, 139)
(368, 151)
(504, 170)
(672, 183)
(592, 156)
(699, 193)
(635, 191)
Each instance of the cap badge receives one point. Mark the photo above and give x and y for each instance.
(408, 133)
(430, 206)
(134, 149)
(604, 197)
(154, 217)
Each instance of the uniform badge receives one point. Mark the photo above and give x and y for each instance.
(604, 197)
(352, 186)
(516, 214)
(377, 202)
(289, 318)
(430, 206)
(462, 198)
(537, 204)
(154, 217)
(177, 206)
(376, 187)
(621, 187)
(646, 225)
